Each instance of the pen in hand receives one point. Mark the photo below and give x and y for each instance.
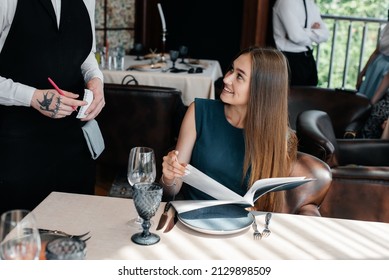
(59, 90)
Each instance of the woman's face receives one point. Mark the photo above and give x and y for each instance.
(236, 89)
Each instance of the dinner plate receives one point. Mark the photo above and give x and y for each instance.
(220, 219)
(197, 63)
(148, 67)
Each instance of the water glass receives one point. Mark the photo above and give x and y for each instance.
(19, 236)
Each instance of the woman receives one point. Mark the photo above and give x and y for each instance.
(375, 86)
(242, 137)
(42, 146)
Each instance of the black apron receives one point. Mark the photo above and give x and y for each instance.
(38, 154)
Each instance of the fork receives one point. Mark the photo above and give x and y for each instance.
(256, 234)
(85, 239)
(266, 231)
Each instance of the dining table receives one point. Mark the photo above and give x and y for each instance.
(195, 77)
(292, 237)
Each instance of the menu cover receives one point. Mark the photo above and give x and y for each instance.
(223, 195)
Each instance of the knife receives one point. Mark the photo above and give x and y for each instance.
(163, 219)
(173, 220)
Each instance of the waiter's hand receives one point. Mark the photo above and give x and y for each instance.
(315, 25)
(53, 105)
(97, 87)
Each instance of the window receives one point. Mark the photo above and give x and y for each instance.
(115, 21)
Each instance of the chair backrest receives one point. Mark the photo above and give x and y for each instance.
(138, 115)
(307, 198)
(317, 137)
(129, 79)
(348, 112)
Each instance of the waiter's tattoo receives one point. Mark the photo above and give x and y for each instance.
(47, 101)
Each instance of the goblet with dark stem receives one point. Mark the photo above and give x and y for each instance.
(147, 198)
(138, 50)
(183, 50)
(173, 57)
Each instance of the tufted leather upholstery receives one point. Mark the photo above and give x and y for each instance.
(137, 115)
(360, 169)
(348, 112)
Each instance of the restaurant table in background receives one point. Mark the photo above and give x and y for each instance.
(192, 85)
(292, 236)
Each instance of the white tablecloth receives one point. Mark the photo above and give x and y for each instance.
(293, 236)
(191, 85)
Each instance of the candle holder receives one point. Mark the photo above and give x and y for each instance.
(163, 58)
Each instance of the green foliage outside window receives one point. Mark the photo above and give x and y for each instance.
(377, 9)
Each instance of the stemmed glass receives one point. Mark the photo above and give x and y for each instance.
(183, 50)
(138, 48)
(147, 198)
(173, 57)
(19, 236)
(141, 169)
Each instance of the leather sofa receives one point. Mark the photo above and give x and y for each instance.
(347, 111)
(360, 169)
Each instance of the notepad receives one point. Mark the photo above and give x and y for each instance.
(88, 97)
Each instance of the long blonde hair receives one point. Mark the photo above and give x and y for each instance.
(270, 144)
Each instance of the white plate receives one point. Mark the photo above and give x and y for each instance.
(197, 63)
(220, 219)
(148, 67)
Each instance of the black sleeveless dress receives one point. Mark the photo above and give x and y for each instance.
(38, 154)
(218, 150)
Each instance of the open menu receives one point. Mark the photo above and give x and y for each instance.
(223, 195)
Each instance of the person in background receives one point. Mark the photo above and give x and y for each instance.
(297, 24)
(240, 137)
(373, 81)
(42, 146)
(385, 130)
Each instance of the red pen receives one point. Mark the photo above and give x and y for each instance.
(58, 89)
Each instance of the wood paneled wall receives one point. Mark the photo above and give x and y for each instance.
(215, 29)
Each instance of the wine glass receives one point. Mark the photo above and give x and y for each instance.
(19, 236)
(147, 198)
(141, 168)
(183, 50)
(173, 57)
(138, 48)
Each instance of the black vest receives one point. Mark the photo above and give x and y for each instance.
(35, 48)
(39, 154)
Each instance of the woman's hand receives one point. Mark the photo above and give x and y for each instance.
(53, 105)
(171, 168)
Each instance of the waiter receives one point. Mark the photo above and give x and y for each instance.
(297, 24)
(42, 146)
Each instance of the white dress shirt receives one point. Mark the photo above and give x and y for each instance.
(12, 93)
(288, 25)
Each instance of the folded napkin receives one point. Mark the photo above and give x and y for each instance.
(94, 138)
